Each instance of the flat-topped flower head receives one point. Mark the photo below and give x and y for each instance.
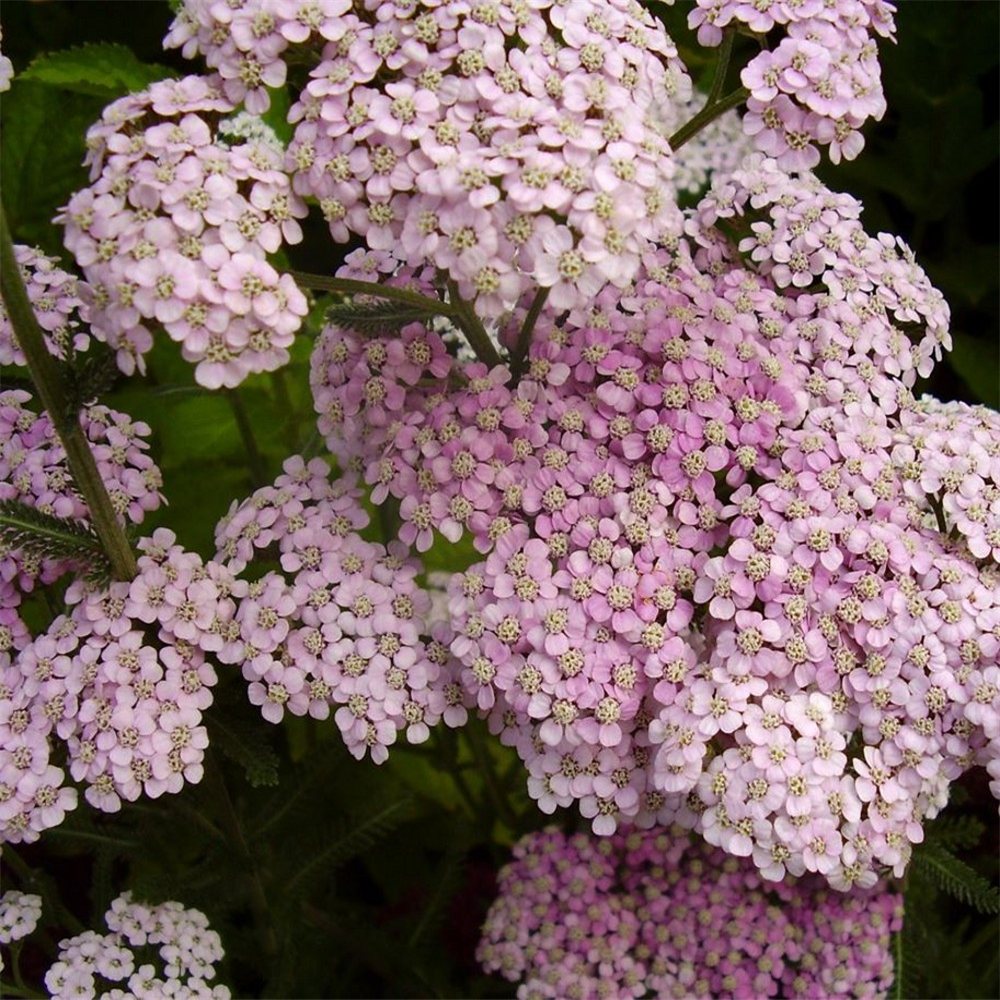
(343, 629)
(178, 949)
(818, 85)
(54, 295)
(648, 912)
(174, 231)
(535, 130)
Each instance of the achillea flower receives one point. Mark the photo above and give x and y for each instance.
(650, 912)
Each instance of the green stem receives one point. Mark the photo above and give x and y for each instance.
(447, 752)
(348, 286)
(485, 761)
(230, 822)
(523, 344)
(706, 116)
(47, 377)
(472, 327)
(722, 66)
(284, 400)
(258, 472)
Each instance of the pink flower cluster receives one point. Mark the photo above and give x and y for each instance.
(344, 623)
(819, 84)
(648, 913)
(122, 681)
(715, 591)
(33, 471)
(187, 950)
(512, 146)
(244, 40)
(59, 309)
(175, 229)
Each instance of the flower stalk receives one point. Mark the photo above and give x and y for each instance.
(47, 378)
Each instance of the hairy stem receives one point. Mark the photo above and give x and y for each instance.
(523, 344)
(706, 116)
(472, 327)
(47, 378)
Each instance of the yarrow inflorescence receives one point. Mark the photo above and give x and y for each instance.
(34, 472)
(651, 913)
(150, 951)
(818, 85)
(19, 914)
(513, 146)
(54, 295)
(175, 230)
(734, 576)
(713, 566)
(343, 625)
(122, 681)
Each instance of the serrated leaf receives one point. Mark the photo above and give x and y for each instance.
(356, 934)
(355, 836)
(46, 535)
(446, 883)
(90, 377)
(956, 878)
(908, 960)
(42, 148)
(309, 779)
(241, 742)
(955, 833)
(100, 70)
(374, 319)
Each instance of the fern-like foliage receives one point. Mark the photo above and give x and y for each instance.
(956, 878)
(351, 837)
(375, 319)
(89, 377)
(241, 742)
(50, 537)
(908, 958)
(955, 833)
(447, 880)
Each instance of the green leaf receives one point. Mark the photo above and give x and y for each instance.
(373, 319)
(356, 933)
(90, 377)
(446, 883)
(101, 70)
(353, 838)
(42, 148)
(907, 959)
(48, 536)
(955, 877)
(955, 833)
(241, 742)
